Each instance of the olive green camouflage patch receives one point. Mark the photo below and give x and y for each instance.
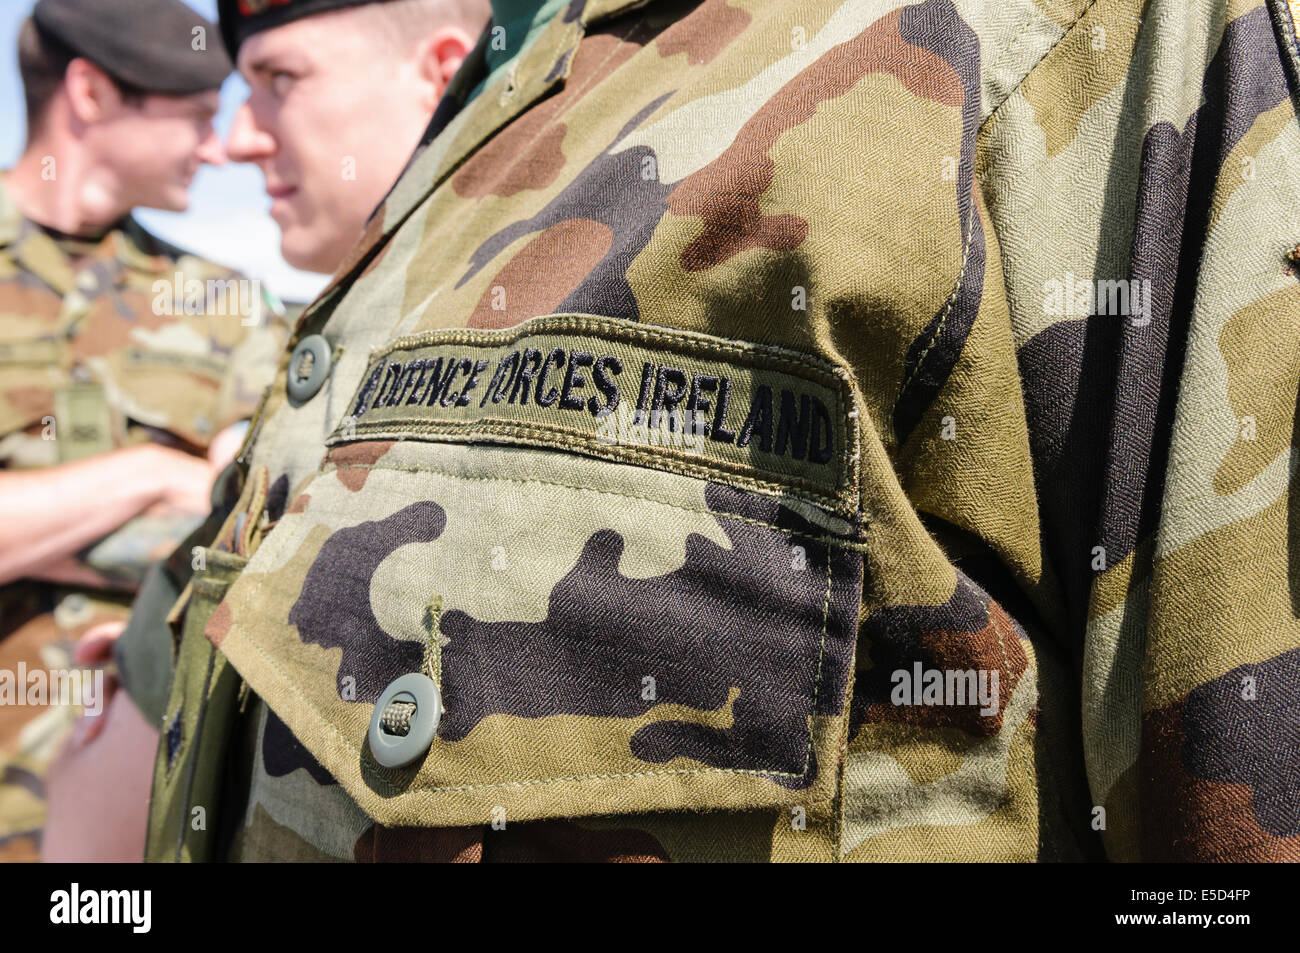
(764, 417)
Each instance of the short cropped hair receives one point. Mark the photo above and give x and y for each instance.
(403, 22)
(43, 63)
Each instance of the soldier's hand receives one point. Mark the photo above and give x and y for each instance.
(184, 482)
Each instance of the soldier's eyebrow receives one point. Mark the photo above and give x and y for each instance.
(277, 61)
(259, 66)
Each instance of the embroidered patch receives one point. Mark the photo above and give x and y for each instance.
(761, 416)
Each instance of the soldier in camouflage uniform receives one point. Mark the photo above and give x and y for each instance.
(784, 430)
(126, 364)
(337, 103)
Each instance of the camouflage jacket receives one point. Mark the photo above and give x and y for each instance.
(784, 430)
(117, 341)
(104, 344)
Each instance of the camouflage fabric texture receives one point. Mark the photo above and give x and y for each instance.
(94, 356)
(974, 535)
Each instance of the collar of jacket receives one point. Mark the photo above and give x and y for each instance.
(42, 255)
(132, 244)
(31, 248)
(11, 220)
(455, 132)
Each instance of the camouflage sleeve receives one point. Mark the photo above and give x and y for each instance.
(1124, 238)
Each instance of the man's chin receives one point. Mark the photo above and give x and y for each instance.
(171, 201)
(304, 254)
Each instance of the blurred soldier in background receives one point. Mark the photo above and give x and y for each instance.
(127, 366)
(340, 93)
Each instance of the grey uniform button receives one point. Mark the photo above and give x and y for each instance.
(405, 720)
(309, 365)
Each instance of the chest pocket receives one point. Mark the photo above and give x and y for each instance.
(626, 557)
(174, 390)
(29, 378)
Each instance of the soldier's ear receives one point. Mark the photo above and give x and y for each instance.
(441, 54)
(92, 94)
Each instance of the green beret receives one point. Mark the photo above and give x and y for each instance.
(240, 19)
(149, 44)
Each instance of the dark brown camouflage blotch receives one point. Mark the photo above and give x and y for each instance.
(1188, 819)
(354, 461)
(436, 845)
(971, 631)
(22, 848)
(370, 237)
(31, 402)
(544, 273)
(111, 324)
(527, 154)
(218, 626)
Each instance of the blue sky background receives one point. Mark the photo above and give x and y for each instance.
(227, 220)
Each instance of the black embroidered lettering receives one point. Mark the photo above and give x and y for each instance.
(501, 379)
(417, 394)
(409, 381)
(543, 396)
(479, 367)
(601, 378)
(573, 380)
(771, 423)
(698, 406)
(463, 366)
(443, 372)
(760, 416)
(819, 451)
(367, 390)
(647, 375)
(390, 381)
(719, 431)
(666, 399)
(526, 374)
(790, 430)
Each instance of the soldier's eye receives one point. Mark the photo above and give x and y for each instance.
(280, 83)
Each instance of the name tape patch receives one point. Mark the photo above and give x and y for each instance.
(765, 417)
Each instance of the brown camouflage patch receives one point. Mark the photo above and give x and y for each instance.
(424, 845)
(705, 34)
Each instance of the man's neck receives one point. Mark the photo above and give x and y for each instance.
(56, 188)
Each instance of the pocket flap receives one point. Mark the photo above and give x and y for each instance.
(606, 637)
